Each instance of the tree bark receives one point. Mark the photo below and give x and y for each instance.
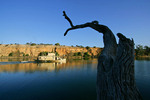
(115, 70)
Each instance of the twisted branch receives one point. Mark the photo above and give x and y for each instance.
(66, 17)
(94, 25)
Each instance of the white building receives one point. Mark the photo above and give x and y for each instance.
(50, 56)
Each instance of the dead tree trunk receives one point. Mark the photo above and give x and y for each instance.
(115, 70)
(123, 71)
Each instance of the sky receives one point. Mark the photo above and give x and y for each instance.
(41, 21)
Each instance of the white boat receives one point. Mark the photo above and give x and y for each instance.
(51, 57)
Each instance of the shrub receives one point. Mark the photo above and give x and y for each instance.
(27, 54)
(6, 45)
(23, 54)
(86, 55)
(41, 43)
(10, 54)
(87, 47)
(57, 44)
(27, 43)
(43, 53)
(16, 43)
(16, 54)
(77, 54)
(77, 46)
(81, 46)
(56, 53)
(33, 44)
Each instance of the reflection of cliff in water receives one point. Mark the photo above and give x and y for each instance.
(27, 67)
(143, 58)
(78, 64)
(8, 59)
(33, 67)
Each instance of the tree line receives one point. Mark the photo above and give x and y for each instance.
(142, 50)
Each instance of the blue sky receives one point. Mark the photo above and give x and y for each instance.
(41, 21)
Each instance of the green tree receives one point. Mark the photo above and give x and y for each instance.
(75, 54)
(56, 53)
(87, 47)
(23, 54)
(41, 43)
(77, 46)
(33, 44)
(146, 50)
(139, 50)
(16, 54)
(27, 43)
(79, 54)
(43, 53)
(27, 54)
(10, 54)
(81, 46)
(86, 55)
(57, 44)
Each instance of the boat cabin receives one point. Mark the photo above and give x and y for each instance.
(50, 56)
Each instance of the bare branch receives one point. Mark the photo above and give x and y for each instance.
(66, 17)
(77, 27)
(93, 24)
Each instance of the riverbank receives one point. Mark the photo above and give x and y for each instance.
(142, 57)
(35, 50)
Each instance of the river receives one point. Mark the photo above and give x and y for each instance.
(74, 80)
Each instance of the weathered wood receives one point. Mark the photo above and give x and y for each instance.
(115, 70)
(123, 71)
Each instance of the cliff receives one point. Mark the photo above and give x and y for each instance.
(5, 50)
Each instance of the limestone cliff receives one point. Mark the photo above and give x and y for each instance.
(5, 50)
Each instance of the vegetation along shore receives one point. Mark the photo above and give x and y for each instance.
(29, 50)
(34, 50)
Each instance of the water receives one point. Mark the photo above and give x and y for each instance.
(142, 76)
(75, 80)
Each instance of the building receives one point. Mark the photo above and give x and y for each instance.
(50, 56)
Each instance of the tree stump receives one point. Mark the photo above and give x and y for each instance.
(115, 70)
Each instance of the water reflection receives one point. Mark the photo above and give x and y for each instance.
(74, 80)
(142, 77)
(32, 67)
(17, 59)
